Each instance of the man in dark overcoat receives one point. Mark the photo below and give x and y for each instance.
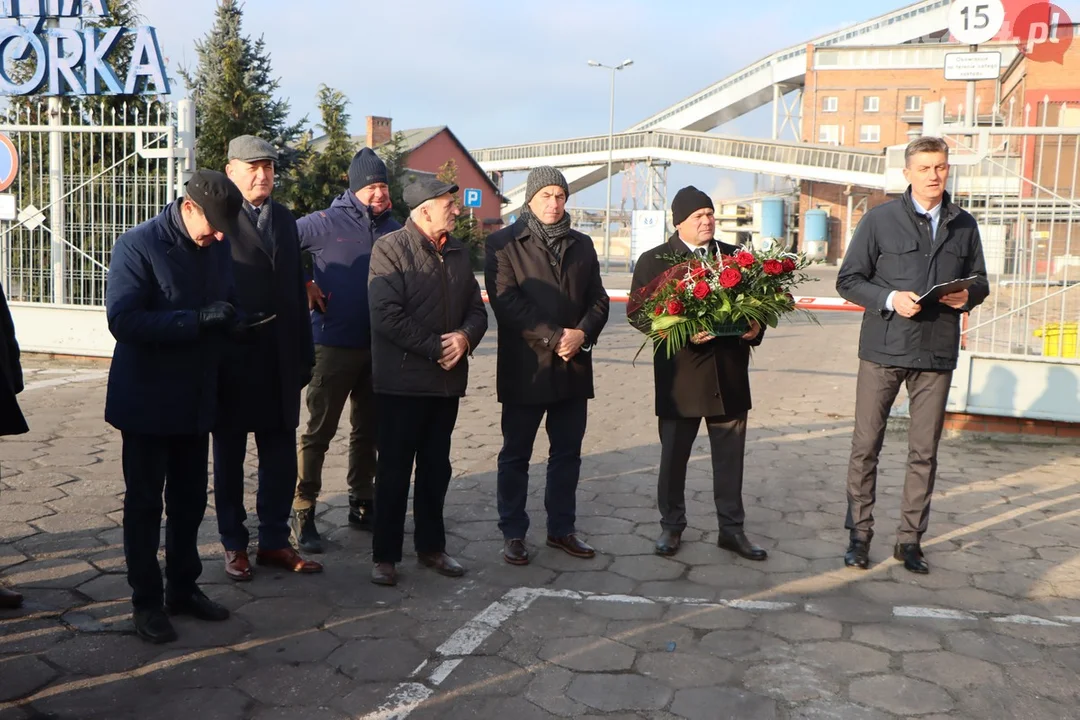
(266, 367)
(543, 282)
(709, 378)
(169, 303)
(12, 421)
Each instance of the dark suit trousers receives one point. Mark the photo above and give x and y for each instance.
(876, 389)
(565, 429)
(727, 439)
(277, 482)
(412, 429)
(176, 466)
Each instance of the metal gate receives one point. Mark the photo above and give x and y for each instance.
(86, 174)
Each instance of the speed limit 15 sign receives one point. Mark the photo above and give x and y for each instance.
(976, 21)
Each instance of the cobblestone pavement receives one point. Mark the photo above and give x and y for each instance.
(992, 632)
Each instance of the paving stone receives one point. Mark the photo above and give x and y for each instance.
(610, 693)
(100, 654)
(588, 654)
(59, 573)
(650, 636)
(622, 610)
(849, 610)
(843, 657)
(722, 704)
(896, 638)
(294, 684)
(548, 690)
(203, 703)
(996, 649)
(646, 568)
(323, 712)
(835, 710)
(377, 660)
(1005, 702)
(952, 671)
(681, 669)
(709, 617)
(23, 674)
(793, 682)
(549, 617)
(479, 708)
(595, 582)
(1045, 680)
(486, 676)
(900, 695)
(745, 645)
(796, 627)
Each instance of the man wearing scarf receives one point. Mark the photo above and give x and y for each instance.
(543, 282)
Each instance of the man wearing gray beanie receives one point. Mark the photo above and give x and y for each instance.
(543, 282)
(340, 240)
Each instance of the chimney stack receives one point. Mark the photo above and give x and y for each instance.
(379, 131)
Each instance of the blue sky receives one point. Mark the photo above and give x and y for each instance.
(507, 72)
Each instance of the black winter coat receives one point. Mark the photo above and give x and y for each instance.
(892, 250)
(164, 374)
(264, 369)
(707, 380)
(418, 293)
(12, 421)
(534, 298)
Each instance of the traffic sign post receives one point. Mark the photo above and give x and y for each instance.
(972, 65)
(974, 22)
(473, 197)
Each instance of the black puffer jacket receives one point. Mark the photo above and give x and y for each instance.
(892, 250)
(416, 294)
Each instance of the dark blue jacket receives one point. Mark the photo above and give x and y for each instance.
(164, 374)
(340, 239)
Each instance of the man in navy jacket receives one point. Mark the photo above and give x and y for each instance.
(169, 306)
(340, 240)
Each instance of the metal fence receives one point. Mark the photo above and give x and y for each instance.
(1028, 210)
(86, 174)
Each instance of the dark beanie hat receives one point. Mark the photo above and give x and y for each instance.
(366, 169)
(542, 177)
(687, 202)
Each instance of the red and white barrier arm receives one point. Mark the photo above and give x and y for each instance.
(802, 302)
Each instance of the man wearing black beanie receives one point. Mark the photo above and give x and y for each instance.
(709, 378)
(340, 240)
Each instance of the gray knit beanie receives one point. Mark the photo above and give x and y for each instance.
(540, 178)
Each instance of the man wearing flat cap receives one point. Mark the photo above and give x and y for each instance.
(340, 239)
(266, 367)
(427, 316)
(543, 282)
(709, 378)
(170, 304)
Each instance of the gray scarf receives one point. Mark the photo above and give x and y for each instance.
(552, 235)
(265, 225)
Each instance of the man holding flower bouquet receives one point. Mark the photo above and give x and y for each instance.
(700, 369)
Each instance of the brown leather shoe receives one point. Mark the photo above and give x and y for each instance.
(515, 552)
(441, 563)
(571, 545)
(287, 559)
(384, 574)
(238, 566)
(9, 599)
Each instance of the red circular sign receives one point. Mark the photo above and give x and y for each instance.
(9, 162)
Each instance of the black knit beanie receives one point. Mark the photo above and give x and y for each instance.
(366, 169)
(688, 201)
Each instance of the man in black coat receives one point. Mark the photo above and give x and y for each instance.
(169, 303)
(265, 369)
(427, 317)
(543, 282)
(12, 421)
(709, 379)
(899, 252)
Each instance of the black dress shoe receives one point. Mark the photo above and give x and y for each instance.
(911, 555)
(571, 545)
(384, 574)
(360, 514)
(304, 531)
(153, 626)
(198, 606)
(515, 552)
(738, 543)
(858, 554)
(441, 563)
(668, 543)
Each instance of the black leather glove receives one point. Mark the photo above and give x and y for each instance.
(216, 315)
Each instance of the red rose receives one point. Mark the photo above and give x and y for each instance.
(698, 272)
(674, 307)
(680, 286)
(790, 298)
(744, 259)
(772, 267)
(701, 290)
(659, 310)
(788, 265)
(729, 278)
(727, 260)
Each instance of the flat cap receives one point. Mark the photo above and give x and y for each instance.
(249, 148)
(425, 189)
(219, 198)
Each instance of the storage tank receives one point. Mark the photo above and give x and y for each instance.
(772, 218)
(815, 234)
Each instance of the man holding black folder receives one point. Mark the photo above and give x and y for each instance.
(910, 334)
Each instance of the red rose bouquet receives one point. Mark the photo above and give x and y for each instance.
(719, 297)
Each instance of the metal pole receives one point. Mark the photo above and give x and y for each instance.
(969, 103)
(607, 207)
(56, 201)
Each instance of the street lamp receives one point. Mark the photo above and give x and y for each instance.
(611, 136)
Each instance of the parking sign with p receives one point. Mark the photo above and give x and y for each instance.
(473, 197)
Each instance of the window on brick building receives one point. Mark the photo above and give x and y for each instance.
(829, 134)
(870, 103)
(869, 133)
(912, 103)
(830, 103)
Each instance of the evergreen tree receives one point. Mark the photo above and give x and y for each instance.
(322, 174)
(233, 88)
(395, 155)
